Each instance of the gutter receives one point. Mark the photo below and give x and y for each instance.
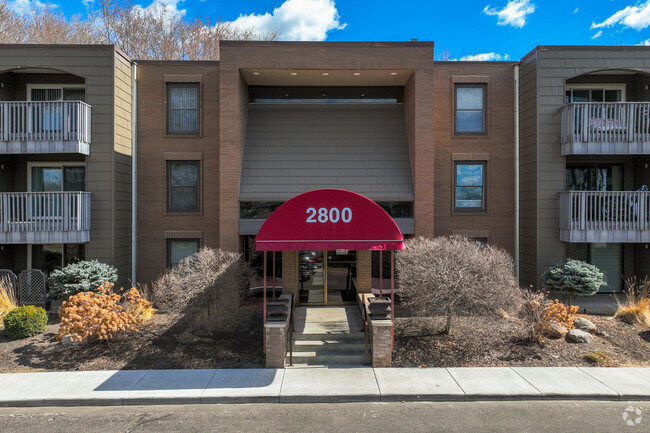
(516, 155)
(134, 172)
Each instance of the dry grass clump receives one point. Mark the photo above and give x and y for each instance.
(635, 310)
(207, 285)
(103, 315)
(8, 300)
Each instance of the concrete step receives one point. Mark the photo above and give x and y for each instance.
(315, 358)
(322, 346)
(327, 336)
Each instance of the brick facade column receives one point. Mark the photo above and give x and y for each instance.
(364, 272)
(382, 346)
(290, 273)
(276, 343)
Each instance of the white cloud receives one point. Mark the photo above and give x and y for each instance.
(597, 35)
(25, 6)
(301, 20)
(575, 11)
(645, 43)
(635, 17)
(169, 8)
(484, 57)
(513, 14)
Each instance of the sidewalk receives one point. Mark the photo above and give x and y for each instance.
(303, 385)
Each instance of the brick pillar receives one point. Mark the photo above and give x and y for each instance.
(276, 343)
(364, 272)
(382, 347)
(290, 273)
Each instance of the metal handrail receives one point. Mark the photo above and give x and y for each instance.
(605, 122)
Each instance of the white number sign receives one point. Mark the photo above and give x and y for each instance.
(333, 215)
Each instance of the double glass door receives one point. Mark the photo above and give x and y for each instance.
(327, 277)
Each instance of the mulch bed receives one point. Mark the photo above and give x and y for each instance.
(165, 344)
(487, 342)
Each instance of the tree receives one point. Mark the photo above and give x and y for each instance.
(156, 32)
(454, 276)
(573, 278)
(79, 277)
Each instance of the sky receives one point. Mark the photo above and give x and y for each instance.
(461, 30)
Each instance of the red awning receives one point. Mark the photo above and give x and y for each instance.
(329, 219)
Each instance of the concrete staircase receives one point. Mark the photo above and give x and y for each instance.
(327, 336)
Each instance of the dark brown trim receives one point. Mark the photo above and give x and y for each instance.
(327, 44)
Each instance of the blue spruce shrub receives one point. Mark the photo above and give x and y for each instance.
(573, 278)
(79, 277)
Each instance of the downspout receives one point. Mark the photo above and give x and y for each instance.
(516, 155)
(134, 173)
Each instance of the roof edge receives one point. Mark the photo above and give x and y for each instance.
(331, 43)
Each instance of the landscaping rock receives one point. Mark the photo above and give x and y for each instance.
(602, 333)
(584, 325)
(556, 330)
(578, 336)
(67, 340)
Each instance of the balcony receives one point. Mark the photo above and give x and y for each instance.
(606, 128)
(44, 127)
(44, 217)
(605, 216)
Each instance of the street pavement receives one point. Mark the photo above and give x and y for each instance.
(555, 416)
(322, 385)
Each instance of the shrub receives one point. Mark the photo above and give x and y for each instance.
(456, 276)
(103, 315)
(79, 277)
(23, 322)
(208, 284)
(636, 308)
(7, 299)
(573, 278)
(540, 313)
(599, 358)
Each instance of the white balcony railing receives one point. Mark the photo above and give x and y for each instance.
(44, 217)
(605, 216)
(44, 127)
(599, 128)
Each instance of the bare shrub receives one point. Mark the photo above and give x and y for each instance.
(209, 284)
(453, 276)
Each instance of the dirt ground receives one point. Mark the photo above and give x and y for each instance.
(499, 342)
(165, 343)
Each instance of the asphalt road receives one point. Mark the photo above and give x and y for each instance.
(475, 417)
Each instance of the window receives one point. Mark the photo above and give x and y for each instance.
(606, 257)
(470, 109)
(183, 186)
(595, 93)
(178, 249)
(183, 108)
(470, 186)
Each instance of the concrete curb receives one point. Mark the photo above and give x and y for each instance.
(322, 385)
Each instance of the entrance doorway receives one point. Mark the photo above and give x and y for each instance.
(327, 277)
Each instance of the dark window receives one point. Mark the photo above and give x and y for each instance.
(470, 186)
(178, 249)
(483, 241)
(470, 109)
(606, 257)
(183, 108)
(183, 186)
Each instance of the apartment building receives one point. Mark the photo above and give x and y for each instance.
(546, 157)
(65, 156)
(222, 145)
(585, 147)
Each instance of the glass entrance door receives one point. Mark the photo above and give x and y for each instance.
(311, 277)
(341, 274)
(327, 277)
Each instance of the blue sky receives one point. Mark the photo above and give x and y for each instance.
(489, 29)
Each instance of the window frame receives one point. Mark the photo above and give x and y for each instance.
(199, 126)
(169, 242)
(168, 197)
(483, 131)
(483, 208)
